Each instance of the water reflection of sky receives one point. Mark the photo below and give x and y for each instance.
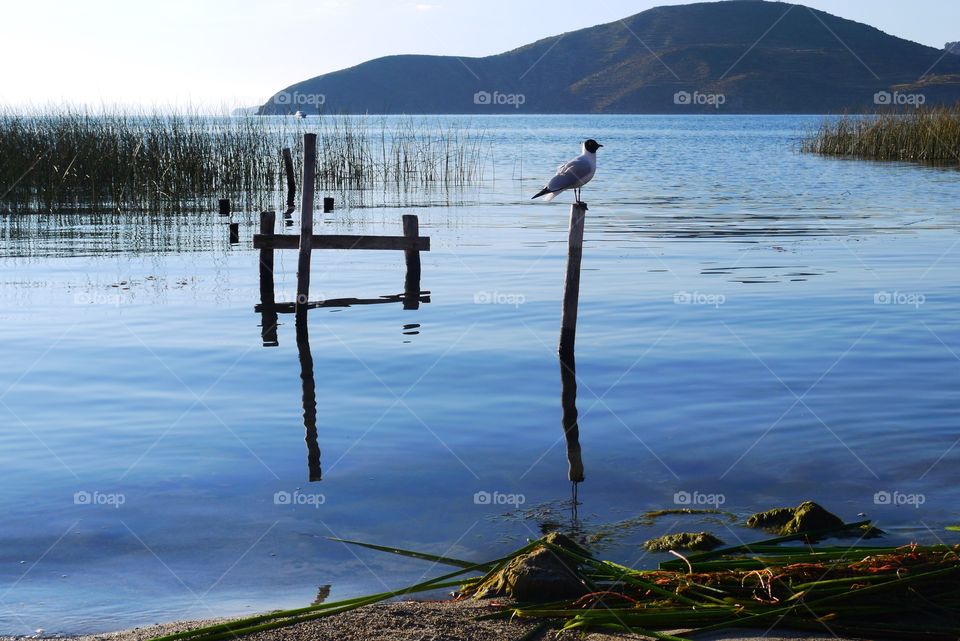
(754, 323)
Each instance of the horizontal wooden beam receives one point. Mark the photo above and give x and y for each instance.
(326, 241)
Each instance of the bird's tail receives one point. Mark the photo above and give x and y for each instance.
(545, 192)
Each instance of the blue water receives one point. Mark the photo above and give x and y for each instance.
(757, 327)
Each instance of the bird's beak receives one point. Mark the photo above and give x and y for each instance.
(599, 145)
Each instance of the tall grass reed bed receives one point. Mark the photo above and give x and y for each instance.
(78, 160)
(930, 135)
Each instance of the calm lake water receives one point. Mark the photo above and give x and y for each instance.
(757, 327)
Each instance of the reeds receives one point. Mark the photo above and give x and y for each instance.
(284, 618)
(903, 593)
(929, 135)
(73, 159)
(908, 592)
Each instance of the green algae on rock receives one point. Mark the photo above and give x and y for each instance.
(806, 517)
(608, 533)
(540, 575)
(700, 541)
(680, 511)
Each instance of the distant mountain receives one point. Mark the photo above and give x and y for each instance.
(736, 56)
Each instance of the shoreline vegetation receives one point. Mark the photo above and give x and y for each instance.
(789, 582)
(77, 159)
(926, 135)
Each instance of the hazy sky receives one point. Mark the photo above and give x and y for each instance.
(222, 54)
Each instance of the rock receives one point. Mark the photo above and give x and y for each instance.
(538, 576)
(806, 517)
(700, 541)
(772, 520)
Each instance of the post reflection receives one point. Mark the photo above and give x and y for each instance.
(314, 473)
(269, 310)
(571, 427)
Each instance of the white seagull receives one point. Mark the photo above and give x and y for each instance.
(573, 174)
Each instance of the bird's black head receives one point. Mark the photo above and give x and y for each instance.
(592, 146)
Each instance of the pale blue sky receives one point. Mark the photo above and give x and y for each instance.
(222, 54)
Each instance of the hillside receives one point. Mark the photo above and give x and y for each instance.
(736, 56)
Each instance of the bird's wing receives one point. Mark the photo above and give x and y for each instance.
(573, 174)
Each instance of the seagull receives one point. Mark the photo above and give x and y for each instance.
(573, 174)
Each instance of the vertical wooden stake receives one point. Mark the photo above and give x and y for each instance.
(571, 286)
(224, 206)
(327, 205)
(234, 233)
(269, 317)
(568, 337)
(306, 222)
(291, 180)
(411, 285)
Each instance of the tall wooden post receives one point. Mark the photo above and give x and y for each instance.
(571, 285)
(568, 337)
(268, 327)
(291, 180)
(411, 285)
(306, 222)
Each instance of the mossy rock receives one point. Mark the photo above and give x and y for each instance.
(806, 517)
(698, 541)
(540, 575)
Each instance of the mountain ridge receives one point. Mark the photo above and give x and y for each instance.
(735, 56)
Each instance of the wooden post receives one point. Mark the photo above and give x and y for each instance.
(411, 285)
(571, 286)
(224, 206)
(234, 233)
(269, 316)
(306, 222)
(327, 205)
(291, 180)
(568, 336)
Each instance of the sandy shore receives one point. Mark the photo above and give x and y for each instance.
(416, 621)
